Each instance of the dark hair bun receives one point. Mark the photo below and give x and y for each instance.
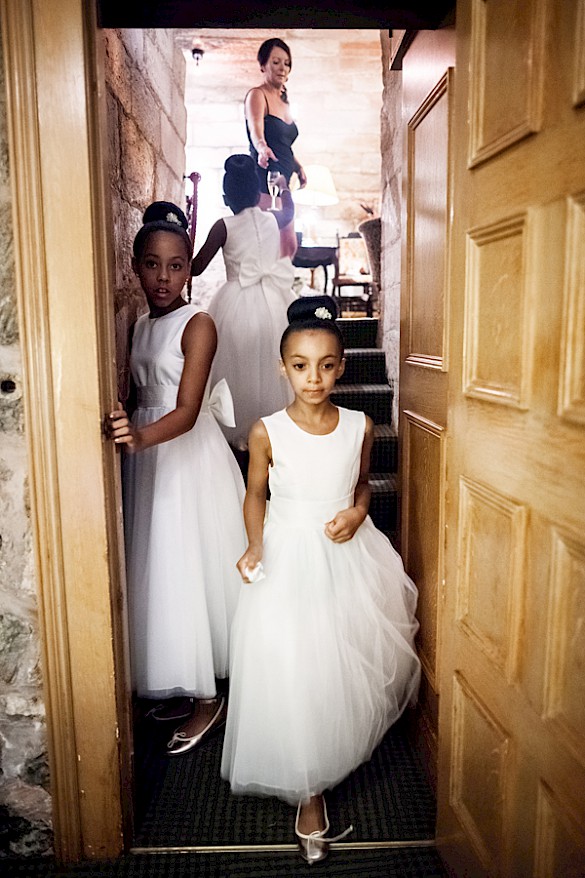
(240, 181)
(165, 212)
(310, 309)
(162, 216)
(240, 167)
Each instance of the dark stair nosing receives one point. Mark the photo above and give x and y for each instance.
(359, 332)
(384, 502)
(382, 483)
(364, 364)
(384, 457)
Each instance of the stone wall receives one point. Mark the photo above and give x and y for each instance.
(25, 802)
(391, 137)
(145, 80)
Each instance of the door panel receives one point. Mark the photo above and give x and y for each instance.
(427, 96)
(512, 715)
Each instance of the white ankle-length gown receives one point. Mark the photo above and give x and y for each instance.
(184, 528)
(323, 658)
(250, 314)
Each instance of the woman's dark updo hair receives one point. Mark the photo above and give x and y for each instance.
(312, 312)
(267, 47)
(240, 183)
(162, 216)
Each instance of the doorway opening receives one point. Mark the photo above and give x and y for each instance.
(390, 800)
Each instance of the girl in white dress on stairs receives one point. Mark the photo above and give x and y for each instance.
(249, 310)
(323, 659)
(183, 492)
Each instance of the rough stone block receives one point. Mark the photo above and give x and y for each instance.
(172, 147)
(112, 108)
(8, 310)
(18, 650)
(167, 187)
(178, 112)
(159, 73)
(25, 815)
(145, 109)
(116, 67)
(133, 40)
(11, 406)
(137, 165)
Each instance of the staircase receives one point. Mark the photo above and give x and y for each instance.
(364, 386)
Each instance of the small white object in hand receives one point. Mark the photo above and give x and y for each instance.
(256, 574)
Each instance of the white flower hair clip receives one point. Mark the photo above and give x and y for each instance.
(173, 218)
(323, 314)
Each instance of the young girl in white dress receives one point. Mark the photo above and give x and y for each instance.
(249, 310)
(323, 659)
(183, 491)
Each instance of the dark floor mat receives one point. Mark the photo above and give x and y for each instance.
(183, 801)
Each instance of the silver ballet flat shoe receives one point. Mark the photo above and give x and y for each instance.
(173, 712)
(314, 847)
(182, 743)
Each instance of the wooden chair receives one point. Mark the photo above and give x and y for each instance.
(352, 269)
(191, 214)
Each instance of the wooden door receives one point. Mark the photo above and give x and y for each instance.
(60, 195)
(427, 80)
(512, 681)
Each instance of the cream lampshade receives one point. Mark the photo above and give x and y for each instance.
(320, 189)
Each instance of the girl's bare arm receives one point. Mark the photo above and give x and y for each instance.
(255, 500)
(215, 239)
(199, 343)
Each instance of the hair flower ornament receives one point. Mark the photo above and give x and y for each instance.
(173, 218)
(323, 314)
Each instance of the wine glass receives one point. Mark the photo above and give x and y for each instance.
(271, 179)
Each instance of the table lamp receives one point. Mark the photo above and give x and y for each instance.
(319, 192)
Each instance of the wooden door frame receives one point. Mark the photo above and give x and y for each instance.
(63, 252)
(62, 246)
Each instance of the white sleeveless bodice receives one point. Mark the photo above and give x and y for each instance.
(313, 477)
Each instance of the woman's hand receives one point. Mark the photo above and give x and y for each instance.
(265, 154)
(121, 431)
(249, 560)
(342, 528)
(302, 176)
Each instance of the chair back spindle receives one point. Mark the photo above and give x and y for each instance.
(191, 214)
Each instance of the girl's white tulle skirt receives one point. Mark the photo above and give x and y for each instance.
(184, 534)
(323, 661)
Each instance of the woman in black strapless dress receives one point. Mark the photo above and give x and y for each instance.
(271, 129)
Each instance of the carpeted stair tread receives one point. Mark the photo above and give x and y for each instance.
(384, 450)
(384, 501)
(373, 399)
(364, 365)
(381, 483)
(359, 332)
